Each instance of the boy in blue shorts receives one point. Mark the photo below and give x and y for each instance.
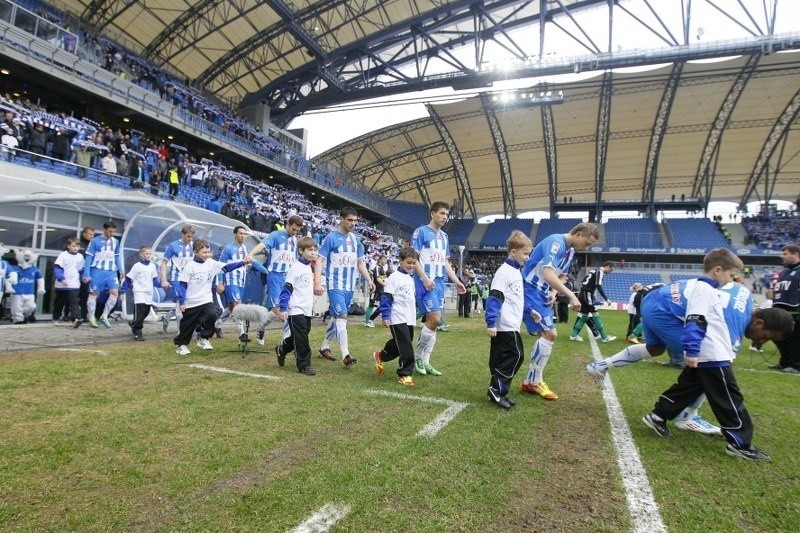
(540, 275)
(433, 270)
(102, 272)
(342, 254)
(281, 249)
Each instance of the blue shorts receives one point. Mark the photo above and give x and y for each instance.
(233, 294)
(537, 301)
(275, 283)
(661, 328)
(430, 301)
(104, 280)
(339, 302)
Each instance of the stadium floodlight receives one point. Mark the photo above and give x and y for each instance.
(524, 98)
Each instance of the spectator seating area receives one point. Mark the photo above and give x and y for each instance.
(498, 231)
(618, 284)
(695, 233)
(772, 232)
(680, 277)
(632, 233)
(411, 214)
(458, 230)
(549, 226)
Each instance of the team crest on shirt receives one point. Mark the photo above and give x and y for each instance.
(555, 247)
(515, 287)
(304, 281)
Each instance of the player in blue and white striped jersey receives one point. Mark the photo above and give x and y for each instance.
(103, 273)
(177, 255)
(433, 269)
(233, 282)
(342, 255)
(281, 249)
(540, 272)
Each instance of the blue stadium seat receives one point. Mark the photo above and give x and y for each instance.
(498, 231)
(632, 233)
(618, 284)
(695, 233)
(458, 230)
(549, 226)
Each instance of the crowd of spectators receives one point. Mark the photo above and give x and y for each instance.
(167, 171)
(772, 232)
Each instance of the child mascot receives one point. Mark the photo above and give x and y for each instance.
(23, 282)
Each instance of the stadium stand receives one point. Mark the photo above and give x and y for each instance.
(694, 233)
(618, 284)
(458, 230)
(549, 226)
(632, 233)
(680, 277)
(413, 215)
(772, 232)
(498, 231)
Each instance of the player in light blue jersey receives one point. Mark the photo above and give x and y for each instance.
(102, 272)
(281, 249)
(433, 270)
(541, 284)
(177, 255)
(342, 256)
(232, 283)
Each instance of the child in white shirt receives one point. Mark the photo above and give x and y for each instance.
(193, 293)
(67, 272)
(504, 310)
(141, 279)
(399, 314)
(296, 303)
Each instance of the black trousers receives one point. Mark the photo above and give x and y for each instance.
(140, 312)
(562, 310)
(83, 296)
(400, 346)
(464, 301)
(505, 358)
(203, 316)
(297, 341)
(66, 299)
(790, 348)
(723, 395)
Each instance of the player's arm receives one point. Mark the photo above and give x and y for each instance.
(362, 267)
(256, 249)
(386, 303)
(283, 305)
(550, 276)
(698, 306)
(452, 277)
(87, 269)
(493, 305)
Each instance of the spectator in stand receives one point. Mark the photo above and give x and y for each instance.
(109, 165)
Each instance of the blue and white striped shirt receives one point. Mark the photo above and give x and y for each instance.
(282, 250)
(233, 253)
(103, 254)
(341, 253)
(178, 254)
(434, 249)
(552, 252)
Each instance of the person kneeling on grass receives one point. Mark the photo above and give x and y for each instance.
(504, 310)
(297, 302)
(398, 313)
(194, 296)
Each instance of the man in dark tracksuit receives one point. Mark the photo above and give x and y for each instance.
(786, 295)
(592, 282)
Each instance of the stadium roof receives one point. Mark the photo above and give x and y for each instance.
(722, 130)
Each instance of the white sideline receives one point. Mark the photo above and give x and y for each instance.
(642, 505)
(235, 372)
(325, 517)
(81, 350)
(444, 418)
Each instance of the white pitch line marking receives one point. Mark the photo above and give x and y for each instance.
(81, 350)
(235, 372)
(444, 418)
(325, 517)
(642, 504)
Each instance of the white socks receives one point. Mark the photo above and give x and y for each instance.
(540, 354)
